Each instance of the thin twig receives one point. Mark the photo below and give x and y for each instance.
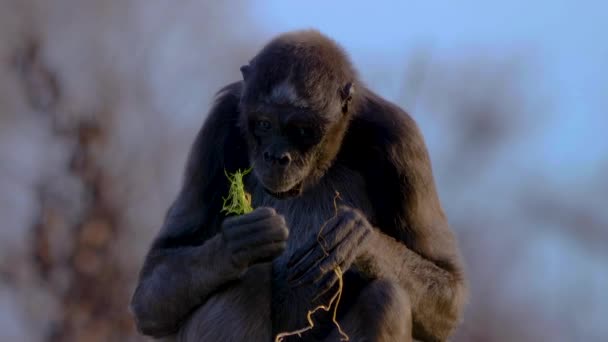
(334, 299)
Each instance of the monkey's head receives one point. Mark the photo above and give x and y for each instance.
(297, 100)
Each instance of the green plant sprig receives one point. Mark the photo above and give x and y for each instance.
(238, 201)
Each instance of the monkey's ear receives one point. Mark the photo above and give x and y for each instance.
(347, 95)
(245, 71)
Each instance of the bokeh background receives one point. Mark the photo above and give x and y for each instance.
(101, 99)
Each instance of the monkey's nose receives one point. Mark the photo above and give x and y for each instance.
(282, 160)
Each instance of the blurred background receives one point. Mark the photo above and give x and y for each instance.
(101, 99)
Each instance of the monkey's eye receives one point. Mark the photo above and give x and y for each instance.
(264, 124)
(304, 132)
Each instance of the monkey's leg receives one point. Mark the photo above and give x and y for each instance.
(381, 313)
(241, 312)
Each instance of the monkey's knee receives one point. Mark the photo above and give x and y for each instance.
(381, 313)
(389, 305)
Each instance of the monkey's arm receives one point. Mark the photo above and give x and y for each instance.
(413, 243)
(174, 281)
(188, 260)
(437, 292)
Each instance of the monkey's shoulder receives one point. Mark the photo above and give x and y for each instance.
(383, 123)
(385, 146)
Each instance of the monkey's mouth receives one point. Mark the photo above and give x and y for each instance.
(277, 185)
(295, 191)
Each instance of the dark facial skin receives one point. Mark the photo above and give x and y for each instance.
(286, 143)
(291, 145)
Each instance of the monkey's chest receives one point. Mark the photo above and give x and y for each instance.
(307, 213)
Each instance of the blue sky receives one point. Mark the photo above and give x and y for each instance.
(566, 39)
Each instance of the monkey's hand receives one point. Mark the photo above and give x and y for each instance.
(257, 237)
(343, 238)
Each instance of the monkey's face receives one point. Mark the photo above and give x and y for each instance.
(286, 145)
(293, 124)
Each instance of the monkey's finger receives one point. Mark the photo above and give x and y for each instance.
(234, 231)
(312, 243)
(261, 253)
(268, 252)
(344, 208)
(312, 270)
(325, 284)
(345, 253)
(256, 215)
(260, 237)
(302, 252)
(316, 272)
(336, 236)
(295, 275)
(304, 270)
(307, 264)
